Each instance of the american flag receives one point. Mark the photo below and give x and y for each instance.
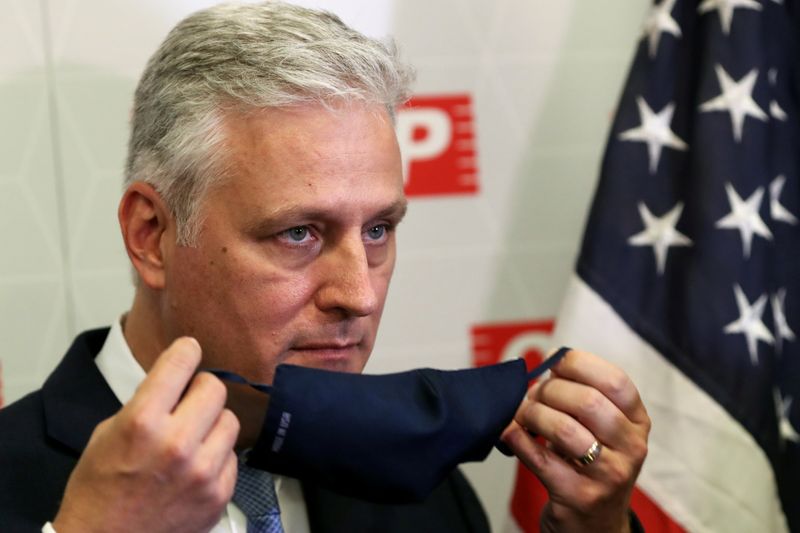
(689, 272)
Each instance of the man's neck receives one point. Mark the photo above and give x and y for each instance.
(143, 330)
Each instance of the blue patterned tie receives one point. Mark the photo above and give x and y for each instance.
(255, 496)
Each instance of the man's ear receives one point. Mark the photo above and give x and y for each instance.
(145, 222)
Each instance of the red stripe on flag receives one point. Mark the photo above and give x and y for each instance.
(651, 516)
(527, 500)
(530, 496)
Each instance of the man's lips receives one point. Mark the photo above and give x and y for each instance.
(328, 350)
(334, 345)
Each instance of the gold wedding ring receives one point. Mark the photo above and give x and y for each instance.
(591, 454)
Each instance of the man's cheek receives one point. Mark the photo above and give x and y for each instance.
(381, 287)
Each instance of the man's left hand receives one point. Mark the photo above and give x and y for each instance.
(585, 400)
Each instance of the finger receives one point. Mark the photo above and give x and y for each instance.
(200, 407)
(593, 410)
(567, 480)
(220, 440)
(222, 437)
(230, 470)
(591, 370)
(567, 434)
(556, 473)
(211, 490)
(162, 388)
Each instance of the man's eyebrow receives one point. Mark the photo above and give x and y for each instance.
(397, 210)
(276, 218)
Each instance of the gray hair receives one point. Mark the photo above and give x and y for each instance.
(234, 58)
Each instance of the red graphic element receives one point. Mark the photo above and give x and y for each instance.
(502, 341)
(437, 139)
(527, 500)
(493, 343)
(530, 496)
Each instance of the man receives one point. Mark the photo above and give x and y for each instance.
(263, 191)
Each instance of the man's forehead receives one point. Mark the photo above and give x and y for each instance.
(362, 135)
(313, 162)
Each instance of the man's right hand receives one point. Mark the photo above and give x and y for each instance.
(164, 462)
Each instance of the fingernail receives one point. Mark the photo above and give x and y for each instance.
(190, 344)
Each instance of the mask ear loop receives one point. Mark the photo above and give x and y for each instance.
(548, 363)
(236, 378)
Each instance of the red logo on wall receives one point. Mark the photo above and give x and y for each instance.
(437, 140)
(503, 341)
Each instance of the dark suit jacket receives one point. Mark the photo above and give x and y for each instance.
(43, 434)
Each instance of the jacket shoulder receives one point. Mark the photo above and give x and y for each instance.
(33, 469)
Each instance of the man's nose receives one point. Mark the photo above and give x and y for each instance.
(347, 285)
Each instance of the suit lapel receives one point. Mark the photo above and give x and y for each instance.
(76, 397)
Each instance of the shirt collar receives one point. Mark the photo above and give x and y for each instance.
(118, 366)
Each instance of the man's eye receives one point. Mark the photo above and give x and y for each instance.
(376, 233)
(296, 234)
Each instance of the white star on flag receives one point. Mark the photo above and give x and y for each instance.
(658, 21)
(782, 329)
(749, 323)
(725, 8)
(785, 428)
(744, 217)
(660, 233)
(736, 97)
(775, 109)
(654, 130)
(776, 210)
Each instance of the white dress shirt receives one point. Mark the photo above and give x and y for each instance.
(123, 374)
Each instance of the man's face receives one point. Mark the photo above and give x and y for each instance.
(297, 248)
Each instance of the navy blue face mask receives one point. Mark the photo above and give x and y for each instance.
(385, 438)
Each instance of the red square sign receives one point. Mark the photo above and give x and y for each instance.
(437, 140)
